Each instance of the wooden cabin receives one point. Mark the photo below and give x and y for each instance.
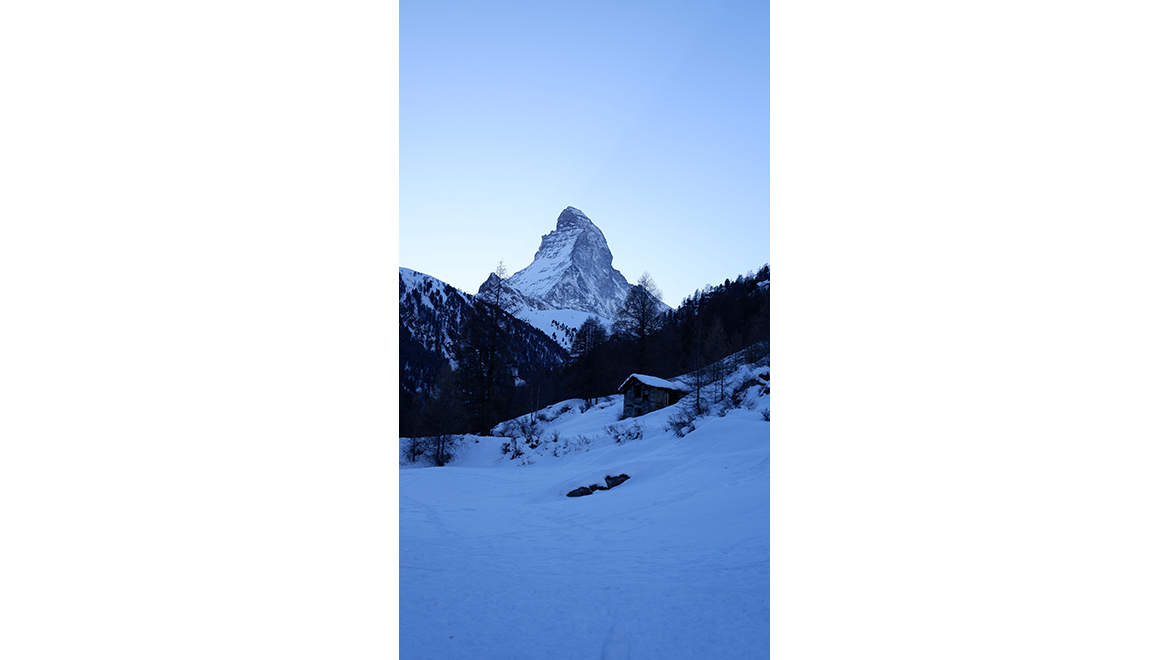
(646, 394)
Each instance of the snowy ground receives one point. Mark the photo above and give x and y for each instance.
(496, 562)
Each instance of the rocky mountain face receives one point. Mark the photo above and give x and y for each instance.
(572, 270)
(431, 315)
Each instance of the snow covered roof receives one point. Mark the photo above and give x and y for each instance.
(652, 382)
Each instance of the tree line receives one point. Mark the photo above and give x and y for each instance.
(493, 380)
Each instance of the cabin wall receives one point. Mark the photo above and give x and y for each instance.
(651, 399)
(628, 407)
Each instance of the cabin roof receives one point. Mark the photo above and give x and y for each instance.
(650, 381)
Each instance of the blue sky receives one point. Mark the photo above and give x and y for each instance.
(652, 118)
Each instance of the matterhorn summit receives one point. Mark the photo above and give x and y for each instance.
(570, 278)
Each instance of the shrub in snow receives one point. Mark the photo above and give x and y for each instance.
(413, 449)
(766, 413)
(682, 421)
(438, 450)
(574, 444)
(747, 392)
(512, 448)
(624, 434)
(528, 428)
(570, 445)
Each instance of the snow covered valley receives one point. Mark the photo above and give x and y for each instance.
(496, 561)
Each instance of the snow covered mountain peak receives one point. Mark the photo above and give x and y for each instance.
(572, 217)
(572, 270)
(576, 244)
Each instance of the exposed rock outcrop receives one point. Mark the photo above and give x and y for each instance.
(610, 482)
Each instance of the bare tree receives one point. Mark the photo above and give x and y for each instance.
(441, 449)
(700, 377)
(647, 283)
(495, 289)
(716, 349)
(414, 448)
(640, 316)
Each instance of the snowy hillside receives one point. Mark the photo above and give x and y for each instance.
(496, 561)
(559, 324)
(430, 310)
(431, 314)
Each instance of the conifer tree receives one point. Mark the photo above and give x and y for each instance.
(485, 371)
(585, 360)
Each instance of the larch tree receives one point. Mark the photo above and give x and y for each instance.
(716, 348)
(640, 315)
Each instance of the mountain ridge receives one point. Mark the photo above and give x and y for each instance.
(571, 278)
(572, 269)
(431, 317)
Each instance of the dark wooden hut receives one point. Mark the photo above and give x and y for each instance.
(647, 393)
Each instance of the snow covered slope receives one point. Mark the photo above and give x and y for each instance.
(559, 324)
(496, 562)
(431, 314)
(430, 310)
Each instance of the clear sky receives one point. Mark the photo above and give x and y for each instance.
(650, 117)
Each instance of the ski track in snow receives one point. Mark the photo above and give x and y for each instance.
(495, 561)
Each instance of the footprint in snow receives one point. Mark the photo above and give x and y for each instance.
(617, 646)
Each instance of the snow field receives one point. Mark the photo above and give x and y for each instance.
(496, 562)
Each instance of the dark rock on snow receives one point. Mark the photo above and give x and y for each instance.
(610, 482)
